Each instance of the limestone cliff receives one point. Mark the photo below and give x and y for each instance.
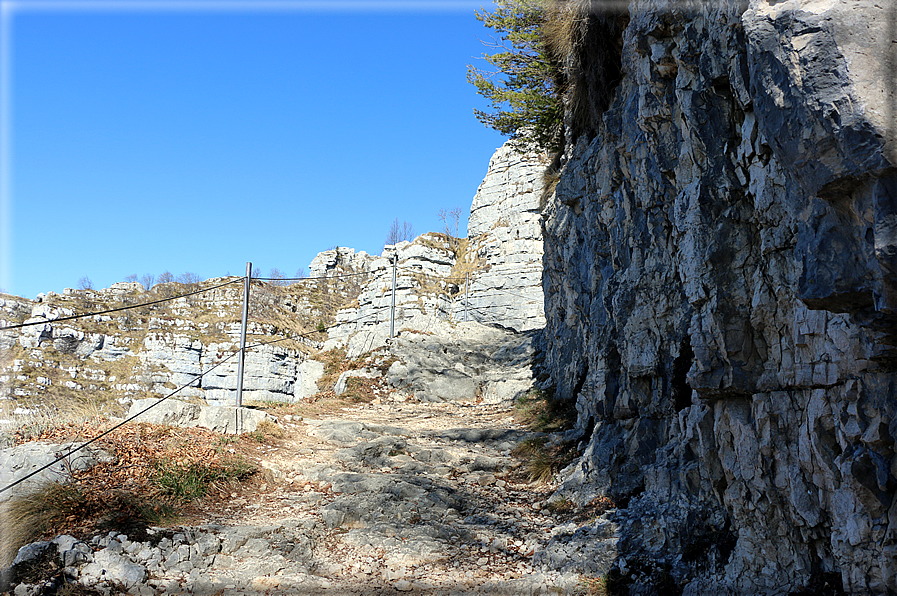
(493, 276)
(505, 237)
(108, 360)
(720, 300)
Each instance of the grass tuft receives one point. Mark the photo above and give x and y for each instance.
(540, 411)
(265, 432)
(27, 517)
(52, 507)
(191, 481)
(594, 586)
(542, 462)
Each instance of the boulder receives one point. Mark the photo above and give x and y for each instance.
(343, 381)
(22, 460)
(230, 420)
(223, 419)
(464, 362)
(171, 411)
(307, 375)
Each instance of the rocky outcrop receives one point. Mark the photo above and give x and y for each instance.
(339, 260)
(223, 419)
(468, 361)
(505, 238)
(23, 461)
(424, 293)
(119, 357)
(493, 276)
(720, 283)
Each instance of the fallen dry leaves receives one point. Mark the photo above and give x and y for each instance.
(123, 485)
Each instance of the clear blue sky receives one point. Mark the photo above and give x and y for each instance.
(195, 139)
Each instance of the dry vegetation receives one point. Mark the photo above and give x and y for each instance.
(541, 412)
(53, 382)
(585, 41)
(156, 473)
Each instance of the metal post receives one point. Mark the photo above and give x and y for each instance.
(243, 334)
(466, 294)
(392, 309)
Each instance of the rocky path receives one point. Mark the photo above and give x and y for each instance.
(383, 498)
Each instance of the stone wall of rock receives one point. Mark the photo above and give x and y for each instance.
(720, 300)
(424, 294)
(339, 260)
(139, 353)
(493, 276)
(505, 239)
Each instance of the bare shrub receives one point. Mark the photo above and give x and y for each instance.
(399, 232)
(451, 221)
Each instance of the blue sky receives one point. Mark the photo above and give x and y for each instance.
(148, 136)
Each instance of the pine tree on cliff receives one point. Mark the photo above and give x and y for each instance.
(523, 88)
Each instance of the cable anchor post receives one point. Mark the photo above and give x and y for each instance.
(242, 359)
(392, 308)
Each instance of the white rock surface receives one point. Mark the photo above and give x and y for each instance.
(503, 257)
(307, 375)
(506, 234)
(466, 361)
(223, 419)
(18, 462)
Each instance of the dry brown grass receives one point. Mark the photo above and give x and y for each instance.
(155, 472)
(540, 411)
(594, 586)
(266, 432)
(585, 40)
(542, 461)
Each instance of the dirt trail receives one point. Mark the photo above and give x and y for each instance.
(395, 496)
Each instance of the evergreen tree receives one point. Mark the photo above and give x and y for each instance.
(523, 90)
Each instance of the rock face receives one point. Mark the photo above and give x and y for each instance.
(505, 234)
(424, 294)
(493, 276)
(339, 260)
(125, 356)
(464, 362)
(18, 462)
(720, 298)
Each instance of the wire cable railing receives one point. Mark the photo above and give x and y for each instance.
(148, 408)
(120, 308)
(456, 280)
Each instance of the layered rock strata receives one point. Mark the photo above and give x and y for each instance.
(468, 361)
(493, 276)
(135, 353)
(720, 300)
(423, 294)
(505, 239)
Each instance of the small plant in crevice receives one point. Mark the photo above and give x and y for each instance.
(539, 410)
(542, 461)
